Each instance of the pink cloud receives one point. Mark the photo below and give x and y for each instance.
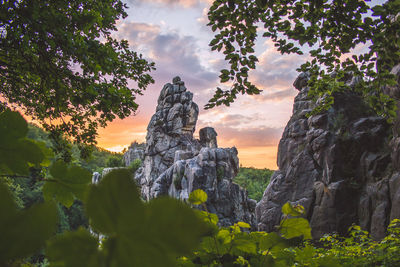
(236, 130)
(174, 3)
(250, 137)
(280, 95)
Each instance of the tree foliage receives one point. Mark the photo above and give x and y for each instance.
(254, 181)
(60, 64)
(23, 231)
(331, 29)
(94, 162)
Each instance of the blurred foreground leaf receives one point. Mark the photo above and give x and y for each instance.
(68, 182)
(17, 153)
(23, 232)
(295, 227)
(136, 233)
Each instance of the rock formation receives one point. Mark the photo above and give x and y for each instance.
(339, 165)
(134, 152)
(175, 163)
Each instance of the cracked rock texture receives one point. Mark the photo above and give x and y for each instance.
(175, 163)
(342, 165)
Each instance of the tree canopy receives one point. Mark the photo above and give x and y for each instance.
(60, 64)
(331, 29)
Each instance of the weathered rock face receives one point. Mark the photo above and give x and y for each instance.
(176, 164)
(134, 152)
(170, 129)
(337, 165)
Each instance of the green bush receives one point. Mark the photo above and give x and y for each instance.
(255, 181)
(231, 246)
(358, 249)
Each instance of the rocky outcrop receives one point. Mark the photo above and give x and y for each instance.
(339, 165)
(170, 130)
(175, 163)
(134, 152)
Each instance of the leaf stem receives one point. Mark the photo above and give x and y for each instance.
(215, 240)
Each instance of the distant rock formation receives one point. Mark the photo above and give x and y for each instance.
(340, 165)
(134, 152)
(175, 163)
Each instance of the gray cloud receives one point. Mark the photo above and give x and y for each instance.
(173, 54)
(277, 95)
(276, 71)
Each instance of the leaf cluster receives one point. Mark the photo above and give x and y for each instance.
(23, 231)
(331, 30)
(358, 249)
(60, 64)
(236, 246)
(94, 158)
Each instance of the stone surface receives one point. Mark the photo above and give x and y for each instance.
(96, 178)
(175, 163)
(134, 152)
(339, 165)
(208, 137)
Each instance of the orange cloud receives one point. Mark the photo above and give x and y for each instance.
(121, 133)
(259, 157)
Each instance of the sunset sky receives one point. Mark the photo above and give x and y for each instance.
(173, 34)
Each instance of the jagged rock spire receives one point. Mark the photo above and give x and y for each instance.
(175, 163)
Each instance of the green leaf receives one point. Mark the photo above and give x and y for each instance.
(244, 245)
(273, 241)
(243, 225)
(24, 232)
(262, 3)
(296, 211)
(68, 183)
(328, 261)
(207, 217)
(305, 254)
(137, 231)
(47, 152)
(224, 235)
(114, 203)
(13, 123)
(175, 233)
(17, 153)
(224, 79)
(79, 248)
(294, 227)
(197, 197)
(59, 192)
